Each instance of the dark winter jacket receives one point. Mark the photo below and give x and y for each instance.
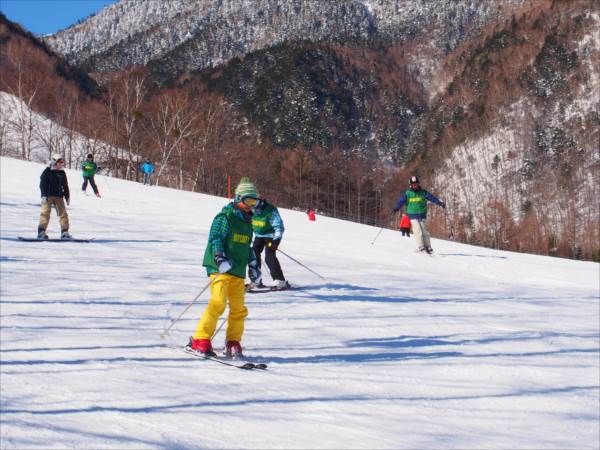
(54, 183)
(417, 203)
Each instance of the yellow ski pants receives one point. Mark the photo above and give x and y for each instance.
(224, 287)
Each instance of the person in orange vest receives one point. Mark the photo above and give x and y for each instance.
(311, 214)
(405, 225)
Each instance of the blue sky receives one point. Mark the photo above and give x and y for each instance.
(48, 16)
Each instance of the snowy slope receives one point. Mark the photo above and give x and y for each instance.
(29, 135)
(473, 348)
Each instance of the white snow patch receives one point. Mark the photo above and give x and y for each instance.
(471, 348)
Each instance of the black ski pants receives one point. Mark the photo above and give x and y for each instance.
(260, 244)
(92, 183)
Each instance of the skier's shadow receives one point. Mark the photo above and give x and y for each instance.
(18, 205)
(108, 241)
(358, 358)
(475, 256)
(336, 286)
(134, 241)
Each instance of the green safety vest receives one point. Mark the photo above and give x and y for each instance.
(416, 203)
(89, 168)
(237, 244)
(260, 221)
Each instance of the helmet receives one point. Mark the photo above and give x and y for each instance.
(413, 180)
(55, 158)
(90, 156)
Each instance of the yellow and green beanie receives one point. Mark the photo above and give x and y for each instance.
(245, 189)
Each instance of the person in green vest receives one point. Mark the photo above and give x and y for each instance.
(268, 231)
(416, 199)
(89, 169)
(227, 256)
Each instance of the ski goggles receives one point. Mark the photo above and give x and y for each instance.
(250, 201)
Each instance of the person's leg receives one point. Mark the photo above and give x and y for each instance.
(417, 231)
(273, 264)
(237, 309)
(425, 233)
(216, 305)
(61, 210)
(84, 185)
(93, 184)
(44, 216)
(258, 247)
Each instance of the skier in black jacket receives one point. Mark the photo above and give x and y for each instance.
(54, 188)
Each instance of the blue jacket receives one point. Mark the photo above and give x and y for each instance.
(147, 167)
(428, 196)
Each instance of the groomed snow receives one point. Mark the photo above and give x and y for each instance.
(473, 348)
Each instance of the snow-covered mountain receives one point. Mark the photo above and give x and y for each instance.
(196, 34)
(472, 348)
(31, 136)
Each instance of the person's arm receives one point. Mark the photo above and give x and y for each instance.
(44, 178)
(400, 203)
(432, 198)
(67, 193)
(277, 224)
(218, 234)
(254, 272)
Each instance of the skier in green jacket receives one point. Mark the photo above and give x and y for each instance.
(416, 199)
(89, 169)
(227, 256)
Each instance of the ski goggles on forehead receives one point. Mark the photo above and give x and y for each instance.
(250, 201)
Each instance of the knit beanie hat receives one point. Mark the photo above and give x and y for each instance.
(245, 189)
(54, 159)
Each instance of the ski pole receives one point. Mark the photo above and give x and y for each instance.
(165, 332)
(218, 329)
(299, 263)
(106, 181)
(380, 230)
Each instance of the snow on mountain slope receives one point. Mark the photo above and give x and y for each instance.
(196, 34)
(473, 348)
(30, 135)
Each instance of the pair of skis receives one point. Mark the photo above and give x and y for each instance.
(256, 290)
(245, 365)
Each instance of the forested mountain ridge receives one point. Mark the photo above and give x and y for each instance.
(182, 35)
